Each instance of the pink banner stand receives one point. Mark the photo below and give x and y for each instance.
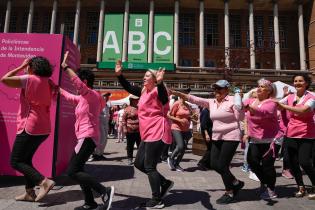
(52, 157)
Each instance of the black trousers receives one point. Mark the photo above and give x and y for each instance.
(206, 158)
(76, 171)
(24, 148)
(146, 161)
(180, 139)
(300, 154)
(132, 138)
(222, 153)
(263, 167)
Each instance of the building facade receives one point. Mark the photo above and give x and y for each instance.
(241, 40)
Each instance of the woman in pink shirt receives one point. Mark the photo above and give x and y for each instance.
(265, 136)
(226, 114)
(300, 134)
(88, 108)
(33, 122)
(155, 129)
(180, 115)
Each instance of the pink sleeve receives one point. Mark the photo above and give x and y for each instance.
(174, 109)
(199, 101)
(247, 101)
(23, 79)
(80, 86)
(239, 114)
(74, 99)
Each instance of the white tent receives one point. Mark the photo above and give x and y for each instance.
(119, 102)
(279, 86)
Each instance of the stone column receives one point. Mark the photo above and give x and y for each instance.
(151, 32)
(125, 37)
(30, 17)
(201, 34)
(53, 17)
(251, 35)
(276, 35)
(7, 17)
(176, 34)
(301, 37)
(100, 32)
(226, 34)
(76, 23)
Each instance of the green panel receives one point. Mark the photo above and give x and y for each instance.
(138, 38)
(137, 66)
(113, 37)
(163, 38)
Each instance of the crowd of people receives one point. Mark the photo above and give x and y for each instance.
(161, 129)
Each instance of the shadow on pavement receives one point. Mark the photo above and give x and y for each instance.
(182, 197)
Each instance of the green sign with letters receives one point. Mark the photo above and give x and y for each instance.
(113, 37)
(138, 38)
(163, 38)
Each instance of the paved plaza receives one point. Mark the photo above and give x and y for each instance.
(193, 189)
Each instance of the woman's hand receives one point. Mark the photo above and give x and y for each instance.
(160, 75)
(25, 63)
(118, 68)
(65, 58)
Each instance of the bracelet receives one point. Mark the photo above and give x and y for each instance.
(65, 68)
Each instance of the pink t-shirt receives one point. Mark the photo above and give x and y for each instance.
(263, 123)
(182, 112)
(225, 116)
(153, 122)
(35, 100)
(301, 125)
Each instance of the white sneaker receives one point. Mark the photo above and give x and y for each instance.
(253, 176)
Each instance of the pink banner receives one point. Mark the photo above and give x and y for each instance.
(66, 135)
(14, 48)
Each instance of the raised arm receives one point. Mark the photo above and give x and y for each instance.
(162, 92)
(10, 79)
(132, 89)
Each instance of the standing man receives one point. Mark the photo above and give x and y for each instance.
(104, 123)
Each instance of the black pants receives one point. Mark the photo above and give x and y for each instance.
(222, 153)
(76, 171)
(263, 167)
(24, 148)
(300, 154)
(146, 161)
(206, 158)
(180, 139)
(132, 138)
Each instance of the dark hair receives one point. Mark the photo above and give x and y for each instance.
(41, 66)
(87, 75)
(307, 79)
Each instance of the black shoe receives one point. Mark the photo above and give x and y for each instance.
(97, 158)
(203, 167)
(165, 187)
(86, 207)
(225, 199)
(153, 204)
(236, 188)
(107, 197)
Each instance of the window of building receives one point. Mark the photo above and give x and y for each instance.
(235, 31)
(210, 63)
(2, 20)
(13, 22)
(46, 23)
(23, 22)
(283, 32)
(69, 25)
(258, 31)
(185, 62)
(211, 30)
(92, 27)
(258, 65)
(91, 60)
(187, 30)
(35, 24)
